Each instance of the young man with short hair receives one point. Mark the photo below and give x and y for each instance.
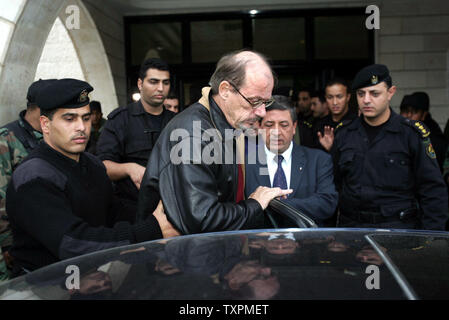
(131, 131)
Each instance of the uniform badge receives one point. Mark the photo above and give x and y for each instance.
(374, 79)
(83, 96)
(429, 149)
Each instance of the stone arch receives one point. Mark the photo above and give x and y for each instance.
(93, 58)
(25, 48)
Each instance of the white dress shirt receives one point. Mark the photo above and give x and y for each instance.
(286, 163)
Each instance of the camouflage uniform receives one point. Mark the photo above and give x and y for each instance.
(12, 152)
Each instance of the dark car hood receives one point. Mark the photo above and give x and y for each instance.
(256, 264)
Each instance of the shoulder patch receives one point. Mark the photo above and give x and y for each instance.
(419, 127)
(37, 168)
(116, 111)
(429, 149)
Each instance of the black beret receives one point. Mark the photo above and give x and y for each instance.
(35, 87)
(64, 93)
(371, 75)
(422, 100)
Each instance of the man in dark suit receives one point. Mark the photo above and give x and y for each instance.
(309, 172)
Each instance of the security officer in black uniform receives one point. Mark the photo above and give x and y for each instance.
(60, 200)
(385, 167)
(128, 137)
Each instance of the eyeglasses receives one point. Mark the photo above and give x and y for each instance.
(255, 104)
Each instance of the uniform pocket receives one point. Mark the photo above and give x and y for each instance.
(398, 170)
(138, 150)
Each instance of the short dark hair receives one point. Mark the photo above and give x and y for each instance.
(338, 80)
(49, 113)
(320, 95)
(423, 100)
(417, 101)
(95, 106)
(283, 103)
(152, 63)
(305, 89)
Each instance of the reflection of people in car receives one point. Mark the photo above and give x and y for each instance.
(92, 283)
(336, 246)
(276, 243)
(370, 256)
(166, 268)
(250, 279)
(281, 245)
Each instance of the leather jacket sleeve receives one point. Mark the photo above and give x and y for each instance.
(192, 197)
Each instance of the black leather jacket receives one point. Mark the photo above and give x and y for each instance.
(198, 193)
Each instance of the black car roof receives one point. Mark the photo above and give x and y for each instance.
(267, 264)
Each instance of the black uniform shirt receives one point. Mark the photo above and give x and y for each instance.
(60, 208)
(129, 136)
(328, 121)
(394, 172)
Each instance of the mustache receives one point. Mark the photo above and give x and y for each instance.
(80, 135)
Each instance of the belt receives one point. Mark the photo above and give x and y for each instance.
(376, 217)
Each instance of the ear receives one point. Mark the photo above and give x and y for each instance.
(139, 84)
(294, 126)
(45, 124)
(349, 97)
(224, 89)
(391, 92)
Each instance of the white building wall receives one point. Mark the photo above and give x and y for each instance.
(59, 58)
(413, 41)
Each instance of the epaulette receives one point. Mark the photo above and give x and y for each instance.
(419, 127)
(342, 124)
(116, 111)
(308, 124)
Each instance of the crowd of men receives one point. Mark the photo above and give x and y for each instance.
(153, 172)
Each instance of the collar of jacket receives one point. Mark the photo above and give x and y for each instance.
(216, 114)
(137, 109)
(48, 151)
(392, 126)
(24, 124)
